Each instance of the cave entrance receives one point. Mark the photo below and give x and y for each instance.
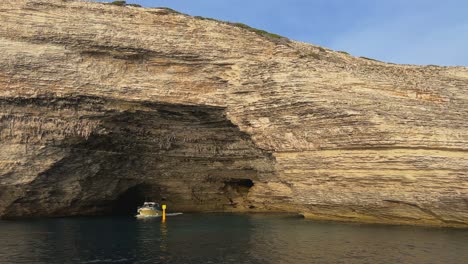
(123, 153)
(128, 202)
(236, 190)
(241, 185)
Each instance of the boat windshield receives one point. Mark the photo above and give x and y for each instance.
(150, 204)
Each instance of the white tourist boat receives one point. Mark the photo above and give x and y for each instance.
(149, 209)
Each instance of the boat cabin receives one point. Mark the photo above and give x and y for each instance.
(151, 204)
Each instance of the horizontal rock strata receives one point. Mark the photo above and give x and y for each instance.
(102, 107)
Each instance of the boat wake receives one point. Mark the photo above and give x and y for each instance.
(174, 214)
(156, 216)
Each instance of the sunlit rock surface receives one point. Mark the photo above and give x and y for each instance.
(103, 107)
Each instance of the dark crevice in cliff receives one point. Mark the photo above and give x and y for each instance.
(241, 186)
(237, 191)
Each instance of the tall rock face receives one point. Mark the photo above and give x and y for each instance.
(102, 107)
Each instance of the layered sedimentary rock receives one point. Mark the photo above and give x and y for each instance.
(102, 107)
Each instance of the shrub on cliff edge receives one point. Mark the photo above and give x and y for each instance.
(123, 3)
(119, 3)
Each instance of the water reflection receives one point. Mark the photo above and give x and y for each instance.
(286, 241)
(224, 239)
(163, 244)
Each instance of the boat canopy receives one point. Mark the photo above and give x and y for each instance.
(150, 204)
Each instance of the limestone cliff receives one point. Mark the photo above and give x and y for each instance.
(103, 106)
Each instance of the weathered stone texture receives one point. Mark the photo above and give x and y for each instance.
(103, 106)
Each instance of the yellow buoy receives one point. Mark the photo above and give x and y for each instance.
(164, 213)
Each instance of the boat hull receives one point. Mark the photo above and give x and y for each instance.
(144, 213)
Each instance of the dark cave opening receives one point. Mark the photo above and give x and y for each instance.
(237, 188)
(128, 202)
(240, 183)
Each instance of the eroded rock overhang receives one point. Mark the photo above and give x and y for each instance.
(87, 155)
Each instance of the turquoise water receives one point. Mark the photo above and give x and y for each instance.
(223, 238)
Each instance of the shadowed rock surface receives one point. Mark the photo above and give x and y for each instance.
(102, 107)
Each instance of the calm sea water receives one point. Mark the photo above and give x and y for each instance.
(222, 238)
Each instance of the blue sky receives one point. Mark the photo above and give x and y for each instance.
(400, 31)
